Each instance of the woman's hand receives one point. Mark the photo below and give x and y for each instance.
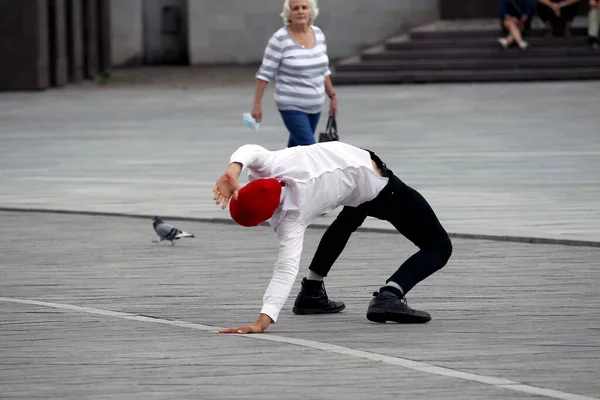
(257, 112)
(333, 107)
(330, 90)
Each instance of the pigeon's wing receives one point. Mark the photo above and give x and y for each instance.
(166, 231)
(183, 234)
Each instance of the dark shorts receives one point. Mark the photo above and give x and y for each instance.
(513, 12)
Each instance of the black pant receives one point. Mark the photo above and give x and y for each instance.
(567, 14)
(409, 213)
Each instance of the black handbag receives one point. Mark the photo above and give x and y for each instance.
(331, 131)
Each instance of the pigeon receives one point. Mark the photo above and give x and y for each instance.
(167, 232)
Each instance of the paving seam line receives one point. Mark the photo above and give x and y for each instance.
(420, 366)
(227, 221)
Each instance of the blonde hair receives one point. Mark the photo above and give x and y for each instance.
(312, 5)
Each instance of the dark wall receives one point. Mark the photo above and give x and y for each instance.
(49, 43)
(469, 9)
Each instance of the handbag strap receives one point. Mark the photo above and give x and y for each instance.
(331, 125)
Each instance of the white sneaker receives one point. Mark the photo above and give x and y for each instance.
(503, 42)
(523, 45)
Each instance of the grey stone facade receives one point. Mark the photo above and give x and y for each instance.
(236, 31)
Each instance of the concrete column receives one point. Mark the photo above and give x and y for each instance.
(90, 38)
(57, 37)
(75, 39)
(104, 39)
(24, 45)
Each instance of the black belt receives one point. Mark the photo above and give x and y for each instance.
(385, 172)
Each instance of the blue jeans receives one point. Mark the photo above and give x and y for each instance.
(302, 127)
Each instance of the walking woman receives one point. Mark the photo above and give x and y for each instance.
(296, 57)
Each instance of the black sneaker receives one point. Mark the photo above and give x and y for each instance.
(313, 299)
(389, 305)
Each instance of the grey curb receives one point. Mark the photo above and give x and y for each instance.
(225, 221)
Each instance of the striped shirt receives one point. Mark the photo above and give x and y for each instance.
(300, 72)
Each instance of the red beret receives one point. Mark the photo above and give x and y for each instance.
(256, 202)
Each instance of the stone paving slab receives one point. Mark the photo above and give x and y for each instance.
(493, 159)
(523, 312)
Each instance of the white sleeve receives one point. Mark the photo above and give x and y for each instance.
(290, 235)
(252, 156)
(271, 60)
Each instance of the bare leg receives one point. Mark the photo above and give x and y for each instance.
(511, 23)
(507, 41)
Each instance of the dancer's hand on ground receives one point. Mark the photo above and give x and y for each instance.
(259, 326)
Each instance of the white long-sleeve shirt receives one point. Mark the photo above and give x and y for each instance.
(318, 179)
